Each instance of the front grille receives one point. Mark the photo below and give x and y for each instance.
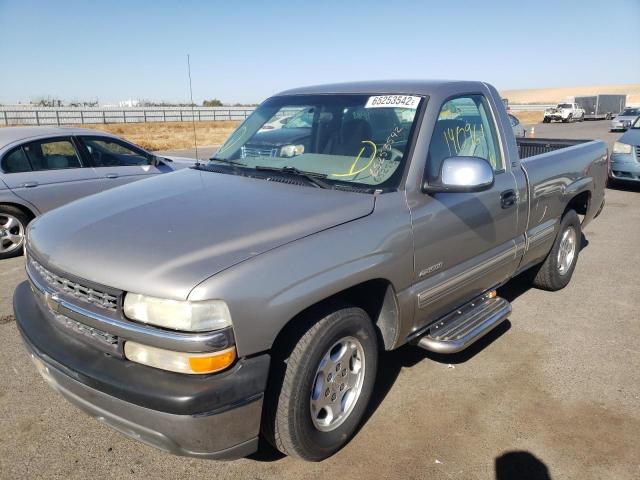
(638, 152)
(81, 292)
(258, 152)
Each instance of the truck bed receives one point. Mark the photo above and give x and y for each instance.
(528, 147)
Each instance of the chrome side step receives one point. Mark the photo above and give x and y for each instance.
(456, 331)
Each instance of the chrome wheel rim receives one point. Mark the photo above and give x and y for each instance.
(567, 250)
(11, 233)
(337, 384)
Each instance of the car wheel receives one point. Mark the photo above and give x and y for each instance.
(545, 120)
(324, 386)
(557, 269)
(13, 223)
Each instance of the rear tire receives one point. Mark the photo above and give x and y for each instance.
(545, 120)
(13, 223)
(557, 269)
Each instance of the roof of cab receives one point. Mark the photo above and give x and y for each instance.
(10, 135)
(380, 87)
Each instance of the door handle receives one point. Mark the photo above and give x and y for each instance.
(508, 198)
(111, 175)
(29, 184)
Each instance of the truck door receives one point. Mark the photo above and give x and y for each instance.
(48, 173)
(464, 242)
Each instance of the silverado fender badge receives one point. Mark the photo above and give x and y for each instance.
(431, 269)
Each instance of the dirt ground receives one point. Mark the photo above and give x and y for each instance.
(554, 392)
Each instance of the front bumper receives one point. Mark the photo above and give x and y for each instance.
(554, 117)
(209, 416)
(624, 166)
(619, 125)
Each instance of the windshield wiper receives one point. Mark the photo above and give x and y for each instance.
(311, 177)
(229, 162)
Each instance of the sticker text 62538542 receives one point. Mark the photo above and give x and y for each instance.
(393, 101)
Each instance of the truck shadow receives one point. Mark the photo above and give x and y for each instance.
(520, 465)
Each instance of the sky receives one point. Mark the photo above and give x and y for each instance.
(245, 50)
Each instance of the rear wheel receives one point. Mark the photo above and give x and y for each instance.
(13, 223)
(557, 269)
(325, 385)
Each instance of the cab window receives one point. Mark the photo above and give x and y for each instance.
(464, 128)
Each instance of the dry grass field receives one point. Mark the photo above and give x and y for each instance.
(528, 116)
(555, 95)
(170, 135)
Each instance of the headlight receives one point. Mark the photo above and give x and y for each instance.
(291, 150)
(177, 315)
(620, 147)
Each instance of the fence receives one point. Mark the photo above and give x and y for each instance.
(80, 116)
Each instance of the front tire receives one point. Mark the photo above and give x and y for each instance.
(13, 223)
(557, 269)
(325, 388)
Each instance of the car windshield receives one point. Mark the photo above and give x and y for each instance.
(358, 139)
(630, 112)
(564, 105)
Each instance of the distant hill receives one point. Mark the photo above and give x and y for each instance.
(555, 95)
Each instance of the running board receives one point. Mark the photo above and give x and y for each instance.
(456, 331)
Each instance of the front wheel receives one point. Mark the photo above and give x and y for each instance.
(326, 385)
(557, 269)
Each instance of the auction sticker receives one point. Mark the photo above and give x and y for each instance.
(393, 101)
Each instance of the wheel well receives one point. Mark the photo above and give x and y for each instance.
(579, 203)
(22, 208)
(376, 297)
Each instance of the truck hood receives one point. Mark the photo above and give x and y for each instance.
(164, 235)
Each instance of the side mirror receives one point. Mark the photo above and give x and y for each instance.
(462, 174)
(155, 160)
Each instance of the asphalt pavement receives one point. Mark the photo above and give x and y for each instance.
(554, 391)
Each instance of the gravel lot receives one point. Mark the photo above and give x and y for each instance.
(560, 381)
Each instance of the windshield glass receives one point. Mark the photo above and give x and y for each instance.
(359, 139)
(630, 112)
(565, 105)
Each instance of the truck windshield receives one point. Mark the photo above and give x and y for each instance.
(358, 139)
(565, 105)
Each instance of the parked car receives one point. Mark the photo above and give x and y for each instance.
(624, 163)
(518, 130)
(604, 106)
(42, 168)
(564, 112)
(625, 119)
(253, 294)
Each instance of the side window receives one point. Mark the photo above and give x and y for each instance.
(108, 152)
(15, 162)
(53, 154)
(464, 128)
